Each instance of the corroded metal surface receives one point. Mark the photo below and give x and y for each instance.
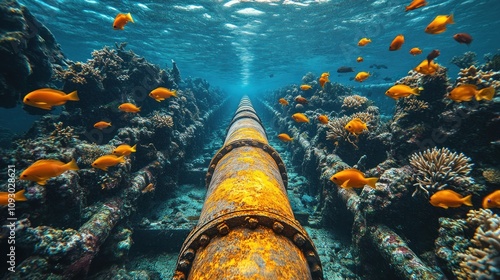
(247, 229)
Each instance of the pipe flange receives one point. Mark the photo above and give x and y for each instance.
(242, 143)
(200, 237)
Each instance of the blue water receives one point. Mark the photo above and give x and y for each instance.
(238, 45)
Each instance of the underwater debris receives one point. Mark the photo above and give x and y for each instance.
(436, 168)
(482, 259)
(466, 60)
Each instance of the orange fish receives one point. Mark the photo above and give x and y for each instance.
(45, 98)
(438, 25)
(121, 20)
(305, 87)
(359, 59)
(159, 94)
(364, 41)
(415, 51)
(106, 161)
(301, 100)
(44, 169)
(492, 200)
(102, 125)
(124, 150)
(426, 67)
(449, 198)
(399, 91)
(148, 188)
(466, 92)
(397, 43)
(283, 102)
(356, 126)
(324, 79)
(129, 108)
(300, 118)
(361, 76)
(415, 4)
(352, 178)
(323, 119)
(18, 196)
(285, 137)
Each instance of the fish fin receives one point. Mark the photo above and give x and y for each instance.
(105, 168)
(19, 196)
(486, 94)
(371, 182)
(174, 93)
(159, 99)
(467, 200)
(134, 148)
(42, 182)
(441, 30)
(442, 205)
(72, 165)
(345, 184)
(73, 96)
(122, 159)
(450, 20)
(129, 17)
(45, 161)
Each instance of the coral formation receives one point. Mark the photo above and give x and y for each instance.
(482, 259)
(354, 103)
(480, 78)
(465, 60)
(436, 169)
(28, 52)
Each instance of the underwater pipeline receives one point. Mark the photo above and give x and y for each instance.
(247, 229)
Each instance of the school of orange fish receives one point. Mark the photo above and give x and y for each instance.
(46, 98)
(353, 178)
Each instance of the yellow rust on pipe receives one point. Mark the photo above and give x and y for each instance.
(250, 254)
(246, 129)
(246, 178)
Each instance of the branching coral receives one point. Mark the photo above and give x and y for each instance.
(479, 78)
(465, 60)
(62, 135)
(161, 120)
(408, 106)
(355, 103)
(482, 260)
(437, 168)
(337, 129)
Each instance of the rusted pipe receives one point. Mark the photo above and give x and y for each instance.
(247, 229)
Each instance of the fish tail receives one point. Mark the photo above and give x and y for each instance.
(291, 139)
(129, 16)
(174, 93)
(73, 96)
(19, 196)
(486, 93)
(467, 200)
(122, 159)
(134, 148)
(371, 182)
(450, 19)
(416, 91)
(72, 165)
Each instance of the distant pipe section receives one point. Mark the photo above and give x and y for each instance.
(247, 229)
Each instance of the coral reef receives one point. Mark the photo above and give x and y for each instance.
(354, 103)
(465, 60)
(28, 52)
(482, 259)
(437, 169)
(471, 247)
(480, 78)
